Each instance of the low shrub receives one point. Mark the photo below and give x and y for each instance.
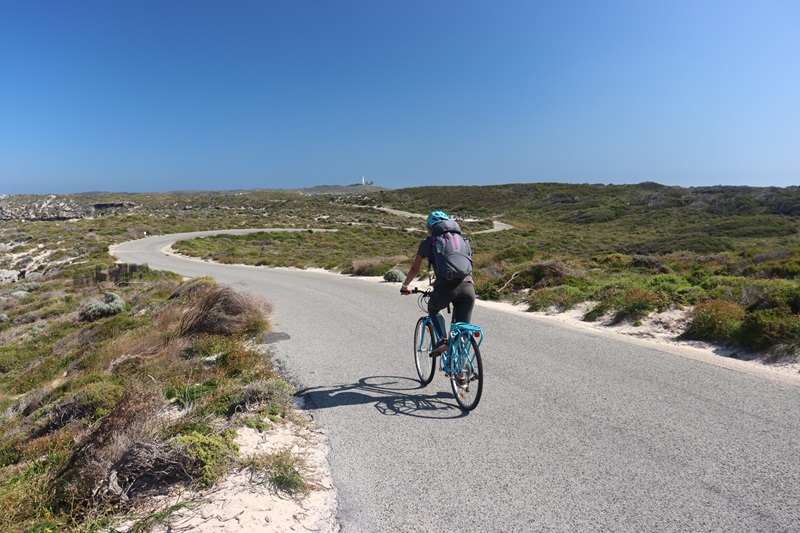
(92, 402)
(208, 456)
(637, 304)
(394, 276)
(9, 454)
(646, 261)
(236, 359)
(715, 321)
(111, 304)
(275, 392)
(768, 327)
(563, 297)
(515, 254)
(543, 274)
(223, 311)
(784, 268)
(28, 286)
(280, 470)
(487, 288)
(669, 286)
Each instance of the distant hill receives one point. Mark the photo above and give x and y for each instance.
(339, 189)
(91, 204)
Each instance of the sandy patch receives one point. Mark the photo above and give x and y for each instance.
(240, 503)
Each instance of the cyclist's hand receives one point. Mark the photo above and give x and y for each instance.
(405, 291)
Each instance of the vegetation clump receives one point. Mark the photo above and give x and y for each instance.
(110, 305)
(394, 276)
(222, 311)
(280, 470)
(83, 431)
(209, 456)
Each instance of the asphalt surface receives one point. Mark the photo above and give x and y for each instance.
(575, 431)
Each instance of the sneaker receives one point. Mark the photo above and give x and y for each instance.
(439, 348)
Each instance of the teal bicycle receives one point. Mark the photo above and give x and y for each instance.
(461, 362)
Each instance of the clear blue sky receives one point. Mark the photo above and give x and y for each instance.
(155, 95)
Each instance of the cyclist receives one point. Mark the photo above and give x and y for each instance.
(455, 286)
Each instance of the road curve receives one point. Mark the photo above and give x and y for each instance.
(575, 431)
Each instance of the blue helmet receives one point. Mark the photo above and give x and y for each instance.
(436, 216)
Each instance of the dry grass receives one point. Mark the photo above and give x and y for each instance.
(88, 464)
(223, 311)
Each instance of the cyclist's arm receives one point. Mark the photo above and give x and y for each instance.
(412, 273)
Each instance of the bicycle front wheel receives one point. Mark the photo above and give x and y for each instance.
(423, 344)
(467, 379)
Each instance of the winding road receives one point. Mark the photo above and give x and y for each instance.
(575, 432)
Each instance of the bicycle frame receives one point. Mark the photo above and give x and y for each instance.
(461, 361)
(458, 342)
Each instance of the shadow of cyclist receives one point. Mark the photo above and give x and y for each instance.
(391, 395)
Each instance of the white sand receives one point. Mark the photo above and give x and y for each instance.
(239, 503)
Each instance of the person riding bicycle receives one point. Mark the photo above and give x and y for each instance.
(451, 258)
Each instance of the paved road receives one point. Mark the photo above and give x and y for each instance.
(575, 432)
(497, 226)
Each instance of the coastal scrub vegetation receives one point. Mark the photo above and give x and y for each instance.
(624, 250)
(112, 394)
(115, 385)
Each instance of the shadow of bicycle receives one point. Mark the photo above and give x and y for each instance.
(391, 395)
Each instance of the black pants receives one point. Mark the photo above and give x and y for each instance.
(460, 293)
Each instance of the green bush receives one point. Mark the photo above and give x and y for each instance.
(209, 455)
(100, 397)
(236, 359)
(785, 268)
(8, 454)
(670, 287)
(111, 304)
(715, 321)
(516, 254)
(636, 304)
(394, 276)
(487, 289)
(767, 327)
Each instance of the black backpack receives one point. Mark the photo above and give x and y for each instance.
(450, 254)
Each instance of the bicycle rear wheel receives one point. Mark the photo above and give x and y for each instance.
(423, 344)
(467, 383)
